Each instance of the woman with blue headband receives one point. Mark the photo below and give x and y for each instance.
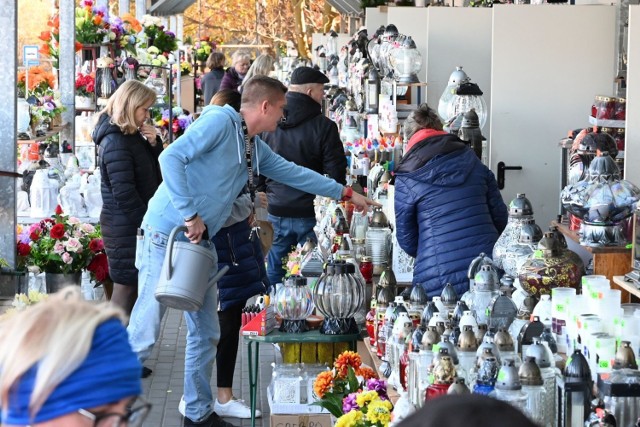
(67, 362)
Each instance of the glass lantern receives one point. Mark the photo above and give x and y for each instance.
(294, 303)
(468, 96)
(105, 83)
(338, 295)
(332, 43)
(406, 61)
(455, 79)
(390, 35)
(602, 200)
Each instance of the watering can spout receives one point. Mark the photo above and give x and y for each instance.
(218, 275)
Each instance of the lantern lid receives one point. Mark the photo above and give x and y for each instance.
(449, 296)
(391, 30)
(476, 263)
(577, 368)
(603, 168)
(529, 372)
(408, 43)
(468, 88)
(549, 245)
(457, 77)
(458, 387)
(520, 206)
(297, 281)
(470, 119)
(508, 378)
(418, 295)
(538, 351)
(530, 233)
(503, 340)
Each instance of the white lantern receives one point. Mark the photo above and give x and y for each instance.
(406, 61)
(43, 194)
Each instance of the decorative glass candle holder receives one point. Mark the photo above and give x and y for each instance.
(338, 295)
(294, 303)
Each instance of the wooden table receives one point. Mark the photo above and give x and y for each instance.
(609, 261)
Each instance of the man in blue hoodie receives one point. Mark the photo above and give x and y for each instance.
(203, 171)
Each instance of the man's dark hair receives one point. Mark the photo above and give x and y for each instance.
(259, 88)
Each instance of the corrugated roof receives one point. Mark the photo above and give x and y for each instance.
(169, 7)
(347, 7)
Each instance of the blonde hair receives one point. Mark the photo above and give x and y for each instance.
(263, 65)
(57, 333)
(239, 55)
(122, 105)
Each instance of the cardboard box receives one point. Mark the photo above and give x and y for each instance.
(301, 420)
(262, 324)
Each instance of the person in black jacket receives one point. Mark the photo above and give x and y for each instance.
(307, 138)
(211, 80)
(128, 151)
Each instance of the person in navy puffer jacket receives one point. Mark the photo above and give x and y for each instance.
(447, 204)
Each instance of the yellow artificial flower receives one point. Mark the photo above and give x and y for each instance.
(379, 411)
(350, 419)
(366, 397)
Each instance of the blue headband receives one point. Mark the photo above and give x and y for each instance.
(109, 373)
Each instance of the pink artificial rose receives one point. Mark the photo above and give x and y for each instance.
(67, 258)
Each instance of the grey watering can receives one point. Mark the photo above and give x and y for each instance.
(184, 279)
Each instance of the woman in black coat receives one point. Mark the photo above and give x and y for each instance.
(128, 150)
(211, 81)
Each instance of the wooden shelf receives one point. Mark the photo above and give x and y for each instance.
(601, 249)
(631, 290)
(609, 261)
(48, 134)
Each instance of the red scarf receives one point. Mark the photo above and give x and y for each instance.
(421, 135)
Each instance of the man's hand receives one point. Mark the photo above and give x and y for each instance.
(261, 200)
(195, 229)
(361, 202)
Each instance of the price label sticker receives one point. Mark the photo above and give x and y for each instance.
(604, 364)
(502, 375)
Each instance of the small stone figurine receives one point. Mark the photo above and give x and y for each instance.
(70, 199)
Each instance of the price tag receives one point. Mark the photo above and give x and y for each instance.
(502, 375)
(604, 364)
(30, 55)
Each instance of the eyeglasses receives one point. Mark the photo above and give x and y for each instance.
(134, 417)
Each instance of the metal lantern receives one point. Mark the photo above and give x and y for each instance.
(332, 43)
(372, 91)
(406, 61)
(455, 79)
(294, 303)
(574, 391)
(470, 133)
(338, 295)
(602, 201)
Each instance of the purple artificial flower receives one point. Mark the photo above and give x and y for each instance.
(49, 106)
(165, 114)
(170, 34)
(100, 10)
(349, 403)
(379, 386)
(24, 236)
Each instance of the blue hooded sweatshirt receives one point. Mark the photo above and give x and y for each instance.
(204, 170)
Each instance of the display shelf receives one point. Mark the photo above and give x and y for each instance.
(594, 250)
(48, 134)
(629, 290)
(607, 123)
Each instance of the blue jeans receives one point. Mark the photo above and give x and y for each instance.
(287, 233)
(203, 329)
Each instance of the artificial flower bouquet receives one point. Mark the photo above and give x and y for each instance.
(47, 107)
(92, 23)
(122, 32)
(40, 80)
(61, 244)
(85, 85)
(50, 40)
(202, 49)
(180, 123)
(154, 35)
(292, 262)
(353, 394)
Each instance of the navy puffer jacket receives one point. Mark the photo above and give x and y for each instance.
(130, 176)
(448, 210)
(248, 277)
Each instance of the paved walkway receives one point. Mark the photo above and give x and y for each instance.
(164, 387)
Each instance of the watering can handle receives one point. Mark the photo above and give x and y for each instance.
(172, 237)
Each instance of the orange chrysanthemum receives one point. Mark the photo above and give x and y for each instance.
(323, 383)
(346, 360)
(366, 372)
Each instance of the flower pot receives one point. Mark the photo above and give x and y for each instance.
(85, 103)
(56, 281)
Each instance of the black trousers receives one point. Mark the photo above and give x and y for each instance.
(230, 322)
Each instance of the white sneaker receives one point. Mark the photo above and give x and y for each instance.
(235, 408)
(182, 406)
